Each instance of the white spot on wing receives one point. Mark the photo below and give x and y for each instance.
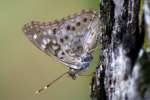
(55, 47)
(35, 36)
(54, 41)
(49, 32)
(43, 46)
(45, 41)
(45, 33)
(48, 40)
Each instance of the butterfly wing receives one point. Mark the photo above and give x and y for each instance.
(65, 40)
(78, 35)
(43, 36)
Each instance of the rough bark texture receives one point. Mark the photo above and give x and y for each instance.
(123, 72)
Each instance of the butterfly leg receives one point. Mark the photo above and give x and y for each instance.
(73, 73)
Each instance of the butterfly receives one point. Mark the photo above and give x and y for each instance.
(70, 40)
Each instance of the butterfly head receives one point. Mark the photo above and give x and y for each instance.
(84, 63)
(85, 60)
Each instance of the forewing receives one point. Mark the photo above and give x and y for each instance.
(74, 32)
(78, 29)
(64, 40)
(43, 36)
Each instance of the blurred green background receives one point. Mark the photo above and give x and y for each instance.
(24, 68)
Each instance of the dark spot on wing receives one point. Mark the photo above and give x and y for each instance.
(73, 28)
(78, 24)
(79, 47)
(62, 40)
(61, 57)
(63, 53)
(54, 31)
(66, 37)
(68, 27)
(85, 20)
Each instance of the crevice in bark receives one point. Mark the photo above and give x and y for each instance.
(119, 72)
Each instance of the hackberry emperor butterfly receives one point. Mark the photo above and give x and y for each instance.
(70, 40)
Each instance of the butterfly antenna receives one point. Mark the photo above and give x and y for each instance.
(51, 83)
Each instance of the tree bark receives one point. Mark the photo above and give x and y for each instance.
(123, 72)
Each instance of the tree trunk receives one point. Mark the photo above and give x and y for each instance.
(123, 72)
